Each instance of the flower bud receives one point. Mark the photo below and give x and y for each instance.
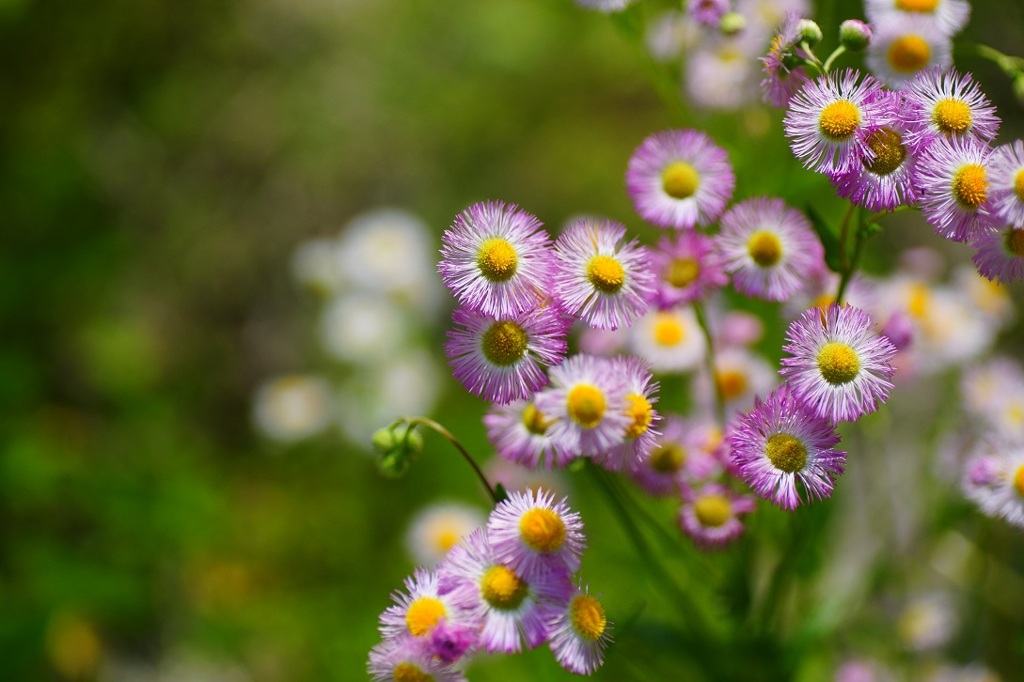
(732, 23)
(398, 447)
(854, 35)
(810, 32)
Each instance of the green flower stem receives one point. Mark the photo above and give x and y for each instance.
(838, 52)
(702, 320)
(496, 494)
(1011, 66)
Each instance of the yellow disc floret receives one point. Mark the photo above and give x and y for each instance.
(639, 410)
(504, 343)
(1015, 241)
(668, 330)
(952, 116)
(888, 149)
(712, 510)
(970, 185)
(917, 5)
(839, 120)
(446, 539)
(765, 248)
(535, 421)
(786, 453)
(606, 274)
(502, 588)
(423, 614)
(587, 616)
(586, 405)
(1018, 480)
(542, 529)
(497, 259)
(909, 54)
(681, 272)
(732, 383)
(680, 180)
(838, 363)
(1018, 184)
(668, 458)
(407, 672)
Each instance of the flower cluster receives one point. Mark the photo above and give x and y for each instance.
(503, 588)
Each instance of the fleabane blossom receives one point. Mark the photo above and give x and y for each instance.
(782, 442)
(520, 433)
(994, 480)
(954, 178)
(838, 365)
(905, 46)
(688, 268)
(641, 432)
(531, 533)
(999, 254)
(400, 659)
(783, 76)
(710, 514)
(1007, 177)
(438, 528)
(579, 633)
(946, 102)
(670, 340)
(600, 278)
(949, 16)
(419, 609)
(680, 179)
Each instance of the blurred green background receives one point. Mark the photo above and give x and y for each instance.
(159, 164)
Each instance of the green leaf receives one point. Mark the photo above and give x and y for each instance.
(829, 240)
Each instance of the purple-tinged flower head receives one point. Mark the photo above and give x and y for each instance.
(501, 360)
(419, 609)
(999, 254)
(599, 278)
(946, 102)
(739, 376)
(495, 258)
(514, 612)
(587, 401)
(905, 46)
(737, 328)
(688, 269)
(579, 633)
(401, 659)
(949, 16)
(707, 12)
(994, 480)
(641, 432)
(781, 441)
(884, 178)
(671, 340)
(768, 248)
(710, 514)
(783, 74)
(721, 74)
(680, 179)
(829, 118)
(899, 329)
(520, 433)
(531, 533)
(680, 455)
(1008, 182)
(954, 179)
(855, 35)
(450, 641)
(839, 365)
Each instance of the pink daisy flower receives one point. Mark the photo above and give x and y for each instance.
(782, 79)
(829, 117)
(688, 269)
(1000, 254)
(994, 480)
(640, 436)
(496, 259)
(520, 434)
(400, 659)
(945, 102)
(680, 455)
(768, 248)
(531, 533)
(501, 360)
(953, 175)
(419, 609)
(950, 16)
(905, 46)
(1007, 177)
(711, 515)
(781, 442)
(579, 633)
(600, 279)
(680, 179)
(839, 365)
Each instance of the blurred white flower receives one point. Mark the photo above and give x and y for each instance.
(437, 528)
(293, 407)
(360, 328)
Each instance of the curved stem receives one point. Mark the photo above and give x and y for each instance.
(832, 57)
(702, 320)
(440, 430)
(1011, 66)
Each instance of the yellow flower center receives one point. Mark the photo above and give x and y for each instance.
(838, 363)
(446, 539)
(639, 410)
(423, 615)
(1015, 241)
(909, 54)
(713, 510)
(952, 116)
(668, 458)
(732, 383)
(839, 120)
(917, 5)
(680, 180)
(586, 405)
(681, 272)
(497, 259)
(919, 300)
(668, 330)
(970, 186)
(504, 343)
(1018, 481)
(587, 616)
(502, 589)
(1018, 184)
(535, 421)
(606, 274)
(765, 248)
(889, 151)
(786, 453)
(823, 301)
(542, 529)
(407, 672)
